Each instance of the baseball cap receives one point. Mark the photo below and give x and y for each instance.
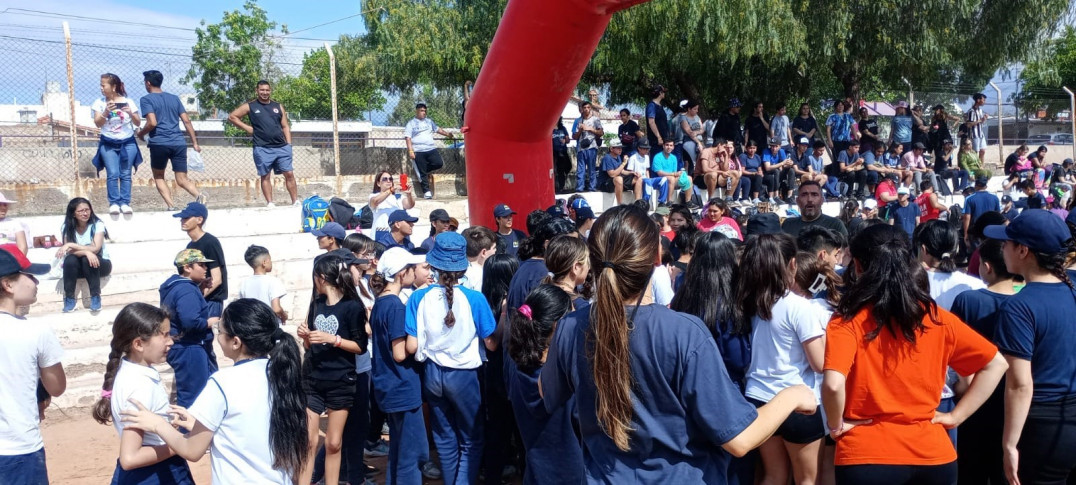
(401, 215)
(902, 104)
(502, 210)
(981, 181)
(331, 229)
(903, 191)
(870, 204)
(13, 261)
(764, 223)
(580, 203)
(1038, 229)
(194, 209)
(439, 215)
(919, 146)
(188, 256)
(1005, 199)
(1067, 161)
(395, 259)
(556, 210)
(735, 103)
(584, 213)
(449, 252)
(775, 142)
(803, 141)
(615, 143)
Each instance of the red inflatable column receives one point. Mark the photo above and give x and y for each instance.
(534, 63)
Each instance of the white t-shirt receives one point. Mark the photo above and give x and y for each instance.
(25, 349)
(86, 238)
(459, 346)
(119, 126)
(142, 383)
(661, 282)
(421, 134)
(382, 211)
(472, 278)
(235, 405)
(778, 360)
(640, 165)
(945, 286)
(262, 287)
(9, 229)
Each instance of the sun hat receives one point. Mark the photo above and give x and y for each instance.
(449, 252)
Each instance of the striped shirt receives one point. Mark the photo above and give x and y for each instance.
(975, 115)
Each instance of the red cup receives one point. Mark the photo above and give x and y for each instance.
(403, 181)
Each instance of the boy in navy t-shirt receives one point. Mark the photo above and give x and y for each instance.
(903, 213)
(163, 113)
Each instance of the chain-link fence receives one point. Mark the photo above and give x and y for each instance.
(48, 137)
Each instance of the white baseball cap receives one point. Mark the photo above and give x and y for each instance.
(395, 260)
(870, 204)
(903, 191)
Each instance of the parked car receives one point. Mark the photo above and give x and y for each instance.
(1050, 139)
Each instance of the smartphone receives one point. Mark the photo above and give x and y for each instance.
(403, 181)
(120, 105)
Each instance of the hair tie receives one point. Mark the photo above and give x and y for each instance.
(946, 255)
(278, 334)
(607, 264)
(525, 310)
(106, 394)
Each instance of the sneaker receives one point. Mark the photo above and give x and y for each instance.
(270, 205)
(69, 305)
(431, 471)
(200, 199)
(381, 448)
(755, 201)
(126, 209)
(95, 303)
(371, 471)
(172, 208)
(385, 428)
(297, 203)
(509, 472)
(114, 209)
(427, 195)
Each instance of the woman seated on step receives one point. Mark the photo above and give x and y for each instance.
(83, 252)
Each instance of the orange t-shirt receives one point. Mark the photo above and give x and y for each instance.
(898, 386)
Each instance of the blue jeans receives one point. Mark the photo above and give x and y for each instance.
(28, 469)
(407, 446)
(585, 170)
(455, 400)
(660, 184)
(832, 187)
(119, 173)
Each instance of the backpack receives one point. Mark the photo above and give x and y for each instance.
(315, 213)
(366, 217)
(342, 212)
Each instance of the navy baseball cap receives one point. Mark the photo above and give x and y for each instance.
(330, 229)
(502, 210)
(764, 223)
(401, 215)
(556, 210)
(1038, 229)
(13, 261)
(584, 213)
(439, 215)
(580, 203)
(193, 209)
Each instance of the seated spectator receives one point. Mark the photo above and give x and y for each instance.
(708, 170)
(851, 170)
(1034, 199)
(11, 231)
(751, 173)
(1039, 166)
(777, 166)
(614, 174)
(969, 161)
(83, 252)
(1062, 179)
(639, 165)
(915, 163)
(946, 169)
(872, 161)
(665, 164)
(729, 172)
(716, 219)
(893, 163)
(810, 163)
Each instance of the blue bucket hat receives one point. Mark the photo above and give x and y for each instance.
(449, 252)
(1037, 229)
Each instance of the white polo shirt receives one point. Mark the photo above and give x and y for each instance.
(142, 383)
(25, 349)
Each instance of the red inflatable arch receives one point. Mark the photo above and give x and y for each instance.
(534, 63)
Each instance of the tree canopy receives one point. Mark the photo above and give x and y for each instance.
(309, 95)
(1044, 77)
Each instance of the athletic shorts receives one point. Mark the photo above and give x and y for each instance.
(159, 155)
(799, 428)
(978, 143)
(330, 394)
(609, 186)
(276, 159)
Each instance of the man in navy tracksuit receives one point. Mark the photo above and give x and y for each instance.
(191, 356)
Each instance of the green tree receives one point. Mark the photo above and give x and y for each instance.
(443, 106)
(230, 57)
(309, 95)
(1044, 77)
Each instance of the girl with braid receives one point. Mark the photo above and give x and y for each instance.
(447, 325)
(1036, 335)
(140, 339)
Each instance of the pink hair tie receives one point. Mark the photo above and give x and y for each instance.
(526, 311)
(106, 394)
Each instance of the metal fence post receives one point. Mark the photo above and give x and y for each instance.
(911, 95)
(1072, 117)
(336, 128)
(1001, 131)
(71, 104)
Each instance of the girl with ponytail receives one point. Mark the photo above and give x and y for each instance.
(140, 340)
(447, 326)
(655, 403)
(936, 242)
(1036, 334)
(251, 416)
(568, 262)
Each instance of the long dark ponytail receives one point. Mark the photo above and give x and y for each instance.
(532, 329)
(136, 320)
(497, 273)
(335, 272)
(255, 324)
(939, 240)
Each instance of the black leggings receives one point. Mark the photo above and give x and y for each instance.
(896, 474)
(76, 267)
(1048, 442)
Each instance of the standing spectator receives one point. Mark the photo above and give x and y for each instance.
(587, 133)
(439, 222)
(11, 231)
(900, 127)
(974, 120)
(930, 208)
(936, 244)
(191, 356)
(728, 125)
(421, 148)
(511, 238)
(29, 359)
(939, 128)
(385, 199)
(639, 164)
(657, 121)
(780, 128)
(920, 129)
(272, 140)
(263, 286)
(562, 162)
(809, 200)
(401, 226)
(868, 131)
(903, 213)
(804, 124)
(614, 175)
(83, 252)
(215, 288)
(163, 112)
(117, 151)
(481, 244)
(839, 128)
(1036, 335)
(882, 331)
(628, 132)
(755, 127)
(691, 129)
(978, 204)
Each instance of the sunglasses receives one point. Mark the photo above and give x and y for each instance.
(386, 179)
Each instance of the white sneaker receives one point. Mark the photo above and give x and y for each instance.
(126, 209)
(427, 195)
(114, 209)
(270, 205)
(297, 203)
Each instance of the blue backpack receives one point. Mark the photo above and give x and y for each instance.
(315, 213)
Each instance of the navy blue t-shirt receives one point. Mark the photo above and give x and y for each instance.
(661, 120)
(554, 454)
(751, 164)
(904, 216)
(389, 242)
(1036, 325)
(609, 162)
(527, 277)
(511, 241)
(979, 309)
(397, 386)
(166, 108)
(980, 203)
(684, 405)
(1036, 201)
